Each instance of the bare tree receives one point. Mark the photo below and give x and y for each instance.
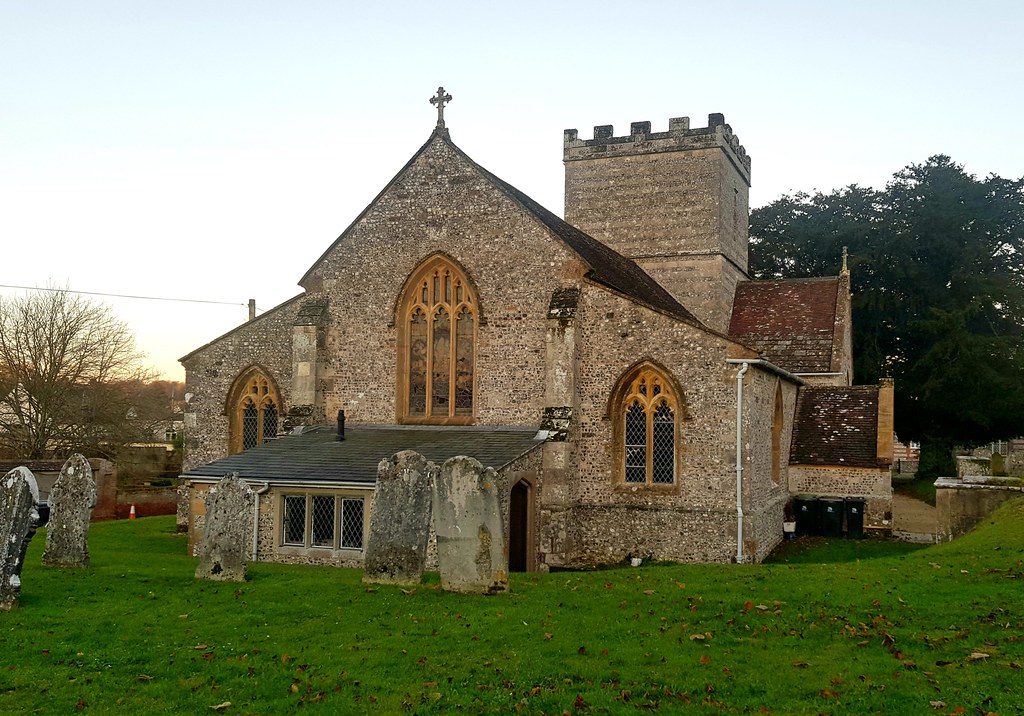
(65, 364)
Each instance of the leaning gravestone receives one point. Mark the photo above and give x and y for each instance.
(72, 498)
(19, 495)
(470, 530)
(396, 551)
(228, 529)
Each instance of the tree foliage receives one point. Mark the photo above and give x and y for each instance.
(937, 274)
(71, 379)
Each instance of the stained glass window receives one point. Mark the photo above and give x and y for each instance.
(649, 430)
(440, 329)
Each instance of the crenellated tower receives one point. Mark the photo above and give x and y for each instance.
(675, 202)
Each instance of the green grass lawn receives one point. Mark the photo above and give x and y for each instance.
(855, 627)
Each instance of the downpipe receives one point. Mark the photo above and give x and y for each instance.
(739, 461)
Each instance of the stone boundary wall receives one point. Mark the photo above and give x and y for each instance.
(960, 505)
(874, 484)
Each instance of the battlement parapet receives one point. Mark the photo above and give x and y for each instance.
(641, 140)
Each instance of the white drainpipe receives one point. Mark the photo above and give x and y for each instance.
(256, 518)
(739, 461)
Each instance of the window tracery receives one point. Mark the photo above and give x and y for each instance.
(255, 412)
(647, 418)
(439, 319)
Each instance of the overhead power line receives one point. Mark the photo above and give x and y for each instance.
(123, 295)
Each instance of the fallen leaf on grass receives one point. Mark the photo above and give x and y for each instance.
(978, 656)
(143, 677)
(648, 592)
(221, 707)
(705, 659)
(697, 637)
(370, 590)
(937, 704)
(200, 647)
(933, 565)
(409, 592)
(828, 694)
(547, 636)
(801, 664)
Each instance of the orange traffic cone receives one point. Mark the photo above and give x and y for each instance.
(131, 512)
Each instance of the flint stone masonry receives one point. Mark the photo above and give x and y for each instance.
(396, 551)
(227, 534)
(471, 551)
(72, 498)
(19, 496)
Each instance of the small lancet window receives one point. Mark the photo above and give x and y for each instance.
(439, 323)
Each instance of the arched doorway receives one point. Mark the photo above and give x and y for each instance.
(519, 528)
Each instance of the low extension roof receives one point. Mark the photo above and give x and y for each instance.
(316, 455)
(790, 322)
(836, 425)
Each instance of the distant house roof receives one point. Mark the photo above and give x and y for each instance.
(836, 425)
(791, 322)
(316, 456)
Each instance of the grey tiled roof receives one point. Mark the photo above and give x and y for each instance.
(316, 456)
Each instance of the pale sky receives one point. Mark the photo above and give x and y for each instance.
(213, 150)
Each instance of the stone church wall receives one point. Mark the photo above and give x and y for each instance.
(211, 370)
(441, 204)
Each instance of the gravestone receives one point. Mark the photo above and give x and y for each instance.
(396, 550)
(470, 530)
(72, 498)
(227, 532)
(19, 495)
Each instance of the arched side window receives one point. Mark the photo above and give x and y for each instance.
(437, 362)
(647, 422)
(255, 411)
(778, 422)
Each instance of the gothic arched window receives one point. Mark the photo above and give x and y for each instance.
(437, 361)
(255, 411)
(778, 422)
(646, 423)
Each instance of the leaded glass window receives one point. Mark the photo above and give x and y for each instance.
(440, 316)
(323, 521)
(293, 520)
(255, 418)
(351, 524)
(648, 430)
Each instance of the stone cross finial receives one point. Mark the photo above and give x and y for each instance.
(440, 100)
(845, 268)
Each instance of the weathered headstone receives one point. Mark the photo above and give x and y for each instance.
(19, 495)
(396, 550)
(228, 530)
(72, 498)
(470, 530)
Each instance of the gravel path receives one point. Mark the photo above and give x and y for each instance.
(912, 519)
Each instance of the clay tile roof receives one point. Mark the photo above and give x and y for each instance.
(316, 456)
(836, 425)
(791, 322)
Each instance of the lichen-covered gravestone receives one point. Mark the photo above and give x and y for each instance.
(228, 530)
(470, 530)
(396, 551)
(19, 495)
(72, 498)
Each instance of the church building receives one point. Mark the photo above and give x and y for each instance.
(638, 394)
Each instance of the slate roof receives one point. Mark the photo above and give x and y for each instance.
(790, 322)
(836, 425)
(316, 456)
(607, 266)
